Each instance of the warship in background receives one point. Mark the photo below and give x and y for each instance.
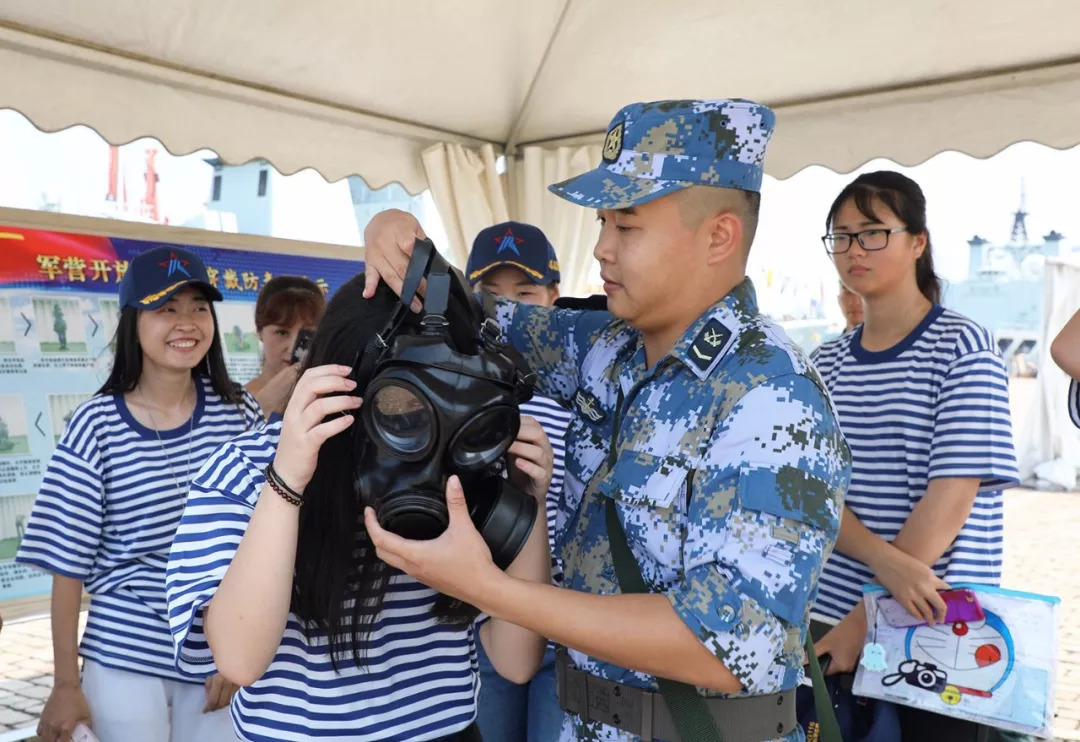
(1003, 290)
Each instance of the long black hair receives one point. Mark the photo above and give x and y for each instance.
(339, 582)
(128, 360)
(903, 197)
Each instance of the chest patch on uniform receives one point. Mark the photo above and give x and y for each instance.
(708, 344)
(588, 406)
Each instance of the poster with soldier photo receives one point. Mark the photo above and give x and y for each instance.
(14, 511)
(14, 436)
(236, 322)
(237, 325)
(110, 319)
(61, 408)
(60, 325)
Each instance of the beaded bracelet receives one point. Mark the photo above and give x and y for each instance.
(277, 484)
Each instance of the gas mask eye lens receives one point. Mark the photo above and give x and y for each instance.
(442, 398)
(402, 419)
(483, 439)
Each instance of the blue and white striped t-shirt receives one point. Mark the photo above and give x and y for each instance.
(554, 419)
(107, 511)
(1074, 402)
(935, 405)
(419, 680)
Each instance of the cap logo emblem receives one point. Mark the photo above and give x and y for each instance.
(151, 298)
(613, 143)
(508, 242)
(175, 264)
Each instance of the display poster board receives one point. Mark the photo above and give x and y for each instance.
(58, 315)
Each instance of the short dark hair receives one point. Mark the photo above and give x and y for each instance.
(703, 201)
(753, 210)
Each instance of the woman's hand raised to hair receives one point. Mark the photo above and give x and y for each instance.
(388, 246)
(322, 391)
(532, 460)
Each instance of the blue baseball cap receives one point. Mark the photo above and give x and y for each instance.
(653, 149)
(517, 245)
(154, 276)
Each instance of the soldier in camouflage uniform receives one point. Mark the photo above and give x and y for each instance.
(703, 421)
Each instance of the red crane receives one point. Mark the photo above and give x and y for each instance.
(150, 202)
(114, 172)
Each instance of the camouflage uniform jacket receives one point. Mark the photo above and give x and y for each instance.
(728, 468)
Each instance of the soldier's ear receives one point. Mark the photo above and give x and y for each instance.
(724, 233)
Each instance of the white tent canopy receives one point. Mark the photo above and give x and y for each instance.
(365, 86)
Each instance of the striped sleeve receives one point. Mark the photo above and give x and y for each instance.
(216, 516)
(253, 413)
(64, 531)
(554, 419)
(1074, 402)
(972, 425)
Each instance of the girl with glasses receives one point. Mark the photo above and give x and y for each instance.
(923, 401)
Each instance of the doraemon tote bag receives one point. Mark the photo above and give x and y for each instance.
(993, 660)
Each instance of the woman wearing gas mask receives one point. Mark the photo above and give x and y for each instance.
(272, 580)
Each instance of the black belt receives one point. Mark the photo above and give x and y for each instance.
(644, 712)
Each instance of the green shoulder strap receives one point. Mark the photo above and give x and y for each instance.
(687, 707)
(828, 728)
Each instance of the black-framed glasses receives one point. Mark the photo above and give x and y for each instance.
(839, 243)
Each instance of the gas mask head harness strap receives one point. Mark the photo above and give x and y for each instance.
(433, 408)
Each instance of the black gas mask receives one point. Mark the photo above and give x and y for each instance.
(431, 410)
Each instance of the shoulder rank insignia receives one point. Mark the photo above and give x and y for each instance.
(709, 344)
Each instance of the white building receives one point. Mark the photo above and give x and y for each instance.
(256, 199)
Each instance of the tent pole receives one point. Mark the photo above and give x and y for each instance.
(519, 121)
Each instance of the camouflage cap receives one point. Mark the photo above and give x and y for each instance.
(652, 149)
